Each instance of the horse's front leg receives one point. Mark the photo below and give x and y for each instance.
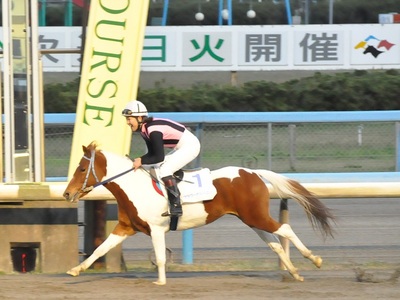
(111, 241)
(158, 240)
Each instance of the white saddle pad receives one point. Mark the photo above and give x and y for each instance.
(197, 186)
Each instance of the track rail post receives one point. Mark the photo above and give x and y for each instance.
(284, 218)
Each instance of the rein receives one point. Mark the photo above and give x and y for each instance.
(85, 189)
(91, 169)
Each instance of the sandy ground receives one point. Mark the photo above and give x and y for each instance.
(231, 262)
(201, 285)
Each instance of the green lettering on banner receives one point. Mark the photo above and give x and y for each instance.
(114, 11)
(106, 61)
(102, 88)
(107, 24)
(98, 109)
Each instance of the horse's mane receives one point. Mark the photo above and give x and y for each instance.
(119, 161)
(94, 145)
(115, 163)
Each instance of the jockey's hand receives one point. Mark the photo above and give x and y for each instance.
(137, 163)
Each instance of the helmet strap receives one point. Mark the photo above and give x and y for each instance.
(140, 123)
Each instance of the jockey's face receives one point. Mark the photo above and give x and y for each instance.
(133, 122)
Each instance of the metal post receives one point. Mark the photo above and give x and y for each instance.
(68, 13)
(1, 131)
(292, 146)
(42, 13)
(187, 249)
(307, 12)
(284, 219)
(85, 18)
(331, 11)
(269, 146)
(220, 8)
(187, 235)
(8, 91)
(199, 135)
(288, 12)
(165, 13)
(37, 98)
(229, 12)
(397, 124)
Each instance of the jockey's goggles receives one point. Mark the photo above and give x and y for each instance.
(127, 112)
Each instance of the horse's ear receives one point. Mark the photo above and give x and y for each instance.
(84, 149)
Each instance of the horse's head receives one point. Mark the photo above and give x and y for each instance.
(91, 170)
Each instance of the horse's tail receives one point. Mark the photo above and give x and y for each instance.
(318, 213)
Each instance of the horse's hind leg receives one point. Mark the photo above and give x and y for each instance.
(286, 231)
(273, 242)
(111, 241)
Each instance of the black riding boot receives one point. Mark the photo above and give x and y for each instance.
(173, 197)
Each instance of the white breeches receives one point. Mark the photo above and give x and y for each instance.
(185, 151)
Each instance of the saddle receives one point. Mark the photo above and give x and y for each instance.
(178, 174)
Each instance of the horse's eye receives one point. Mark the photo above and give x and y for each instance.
(82, 169)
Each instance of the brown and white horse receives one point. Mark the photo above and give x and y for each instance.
(240, 192)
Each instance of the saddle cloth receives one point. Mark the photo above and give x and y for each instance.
(197, 185)
(194, 185)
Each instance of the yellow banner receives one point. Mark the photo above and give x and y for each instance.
(110, 75)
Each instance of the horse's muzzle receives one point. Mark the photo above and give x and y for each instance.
(71, 197)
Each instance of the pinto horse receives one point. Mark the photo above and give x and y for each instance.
(241, 192)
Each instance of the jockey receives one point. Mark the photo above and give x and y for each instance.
(159, 133)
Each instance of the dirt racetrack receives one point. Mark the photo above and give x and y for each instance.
(231, 262)
(199, 285)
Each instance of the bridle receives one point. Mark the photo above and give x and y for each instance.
(91, 169)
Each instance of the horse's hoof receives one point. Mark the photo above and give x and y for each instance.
(73, 272)
(158, 282)
(298, 277)
(318, 261)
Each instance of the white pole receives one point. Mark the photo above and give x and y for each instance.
(8, 93)
(359, 134)
(37, 101)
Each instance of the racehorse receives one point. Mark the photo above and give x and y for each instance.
(239, 191)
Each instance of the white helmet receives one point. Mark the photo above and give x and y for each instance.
(135, 109)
